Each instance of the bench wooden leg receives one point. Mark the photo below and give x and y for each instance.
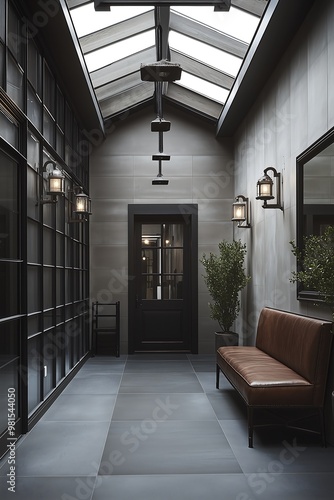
(250, 426)
(217, 376)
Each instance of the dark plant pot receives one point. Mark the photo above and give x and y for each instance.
(226, 339)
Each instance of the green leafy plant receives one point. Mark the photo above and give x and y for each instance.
(225, 277)
(316, 262)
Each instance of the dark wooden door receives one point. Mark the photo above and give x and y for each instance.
(161, 306)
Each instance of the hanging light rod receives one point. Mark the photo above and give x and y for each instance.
(219, 5)
(160, 180)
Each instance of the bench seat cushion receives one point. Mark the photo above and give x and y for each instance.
(262, 380)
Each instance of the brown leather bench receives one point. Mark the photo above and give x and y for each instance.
(287, 368)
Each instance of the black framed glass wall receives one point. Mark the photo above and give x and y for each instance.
(44, 310)
(10, 289)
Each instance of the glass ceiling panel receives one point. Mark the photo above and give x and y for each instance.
(119, 50)
(86, 20)
(214, 92)
(205, 53)
(236, 23)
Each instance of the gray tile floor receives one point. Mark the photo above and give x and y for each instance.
(153, 427)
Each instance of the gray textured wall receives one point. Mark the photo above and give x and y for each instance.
(200, 171)
(294, 110)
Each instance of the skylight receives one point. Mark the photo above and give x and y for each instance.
(205, 53)
(203, 87)
(236, 23)
(119, 50)
(209, 45)
(86, 20)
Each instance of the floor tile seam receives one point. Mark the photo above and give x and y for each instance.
(208, 400)
(293, 473)
(173, 474)
(149, 372)
(70, 394)
(199, 420)
(78, 421)
(54, 476)
(231, 447)
(159, 392)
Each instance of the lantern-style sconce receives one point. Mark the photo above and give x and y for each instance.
(80, 205)
(240, 211)
(55, 183)
(265, 189)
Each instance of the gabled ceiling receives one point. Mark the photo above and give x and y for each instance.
(210, 47)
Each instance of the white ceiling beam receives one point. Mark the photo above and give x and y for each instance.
(121, 68)
(255, 7)
(125, 100)
(198, 103)
(195, 30)
(201, 70)
(117, 32)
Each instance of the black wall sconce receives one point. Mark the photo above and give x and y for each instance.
(240, 211)
(265, 189)
(55, 182)
(79, 205)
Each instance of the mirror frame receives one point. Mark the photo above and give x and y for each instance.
(312, 151)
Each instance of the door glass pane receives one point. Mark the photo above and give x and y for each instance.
(172, 260)
(162, 261)
(172, 287)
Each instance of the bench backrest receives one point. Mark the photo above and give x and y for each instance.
(301, 343)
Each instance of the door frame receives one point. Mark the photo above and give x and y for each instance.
(191, 212)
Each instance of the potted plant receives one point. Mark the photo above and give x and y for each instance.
(316, 262)
(225, 277)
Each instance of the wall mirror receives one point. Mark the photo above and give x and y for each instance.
(315, 194)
